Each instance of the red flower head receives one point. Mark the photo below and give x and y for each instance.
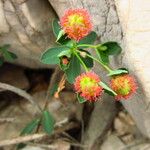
(65, 61)
(76, 23)
(124, 86)
(87, 85)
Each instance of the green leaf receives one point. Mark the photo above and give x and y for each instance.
(66, 53)
(89, 39)
(64, 40)
(61, 33)
(106, 88)
(87, 60)
(108, 48)
(102, 48)
(61, 39)
(9, 56)
(81, 99)
(113, 48)
(30, 127)
(1, 62)
(47, 122)
(56, 27)
(50, 56)
(54, 89)
(117, 72)
(104, 57)
(14, 56)
(28, 130)
(20, 146)
(74, 69)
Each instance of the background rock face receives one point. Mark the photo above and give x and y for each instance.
(26, 26)
(136, 27)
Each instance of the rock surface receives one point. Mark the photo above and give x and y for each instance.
(14, 75)
(136, 28)
(27, 30)
(25, 25)
(99, 123)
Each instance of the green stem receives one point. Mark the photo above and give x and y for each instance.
(87, 45)
(100, 62)
(83, 64)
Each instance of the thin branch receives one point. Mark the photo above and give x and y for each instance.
(4, 120)
(24, 139)
(21, 139)
(21, 93)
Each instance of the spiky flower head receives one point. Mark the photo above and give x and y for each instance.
(65, 60)
(87, 85)
(124, 85)
(76, 23)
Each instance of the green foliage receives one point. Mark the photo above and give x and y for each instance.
(73, 54)
(113, 48)
(104, 57)
(59, 33)
(87, 60)
(48, 122)
(81, 99)
(66, 53)
(6, 54)
(50, 56)
(1, 62)
(106, 49)
(117, 72)
(107, 89)
(89, 39)
(64, 66)
(56, 27)
(29, 128)
(74, 69)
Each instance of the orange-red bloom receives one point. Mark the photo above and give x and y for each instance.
(65, 61)
(87, 85)
(76, 23)
(124, 86)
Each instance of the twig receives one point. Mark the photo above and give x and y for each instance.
(21, 139)
(61, 86)
(21, 93)
(60, 123)
(51, 84)
(3, 120)
(24, 139)
(48, 96)
(51, 147)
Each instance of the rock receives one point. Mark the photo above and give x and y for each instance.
(112, 143)
(62, 145)
(23, 112)
(26, 27)
(136, 28)
(14, 75)
(32, 148)
(123, 124)
(100, 121)
(144, 146)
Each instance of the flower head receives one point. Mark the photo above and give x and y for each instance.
(124, 86)
(65, 60)
(87, 85)
(76, 23)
